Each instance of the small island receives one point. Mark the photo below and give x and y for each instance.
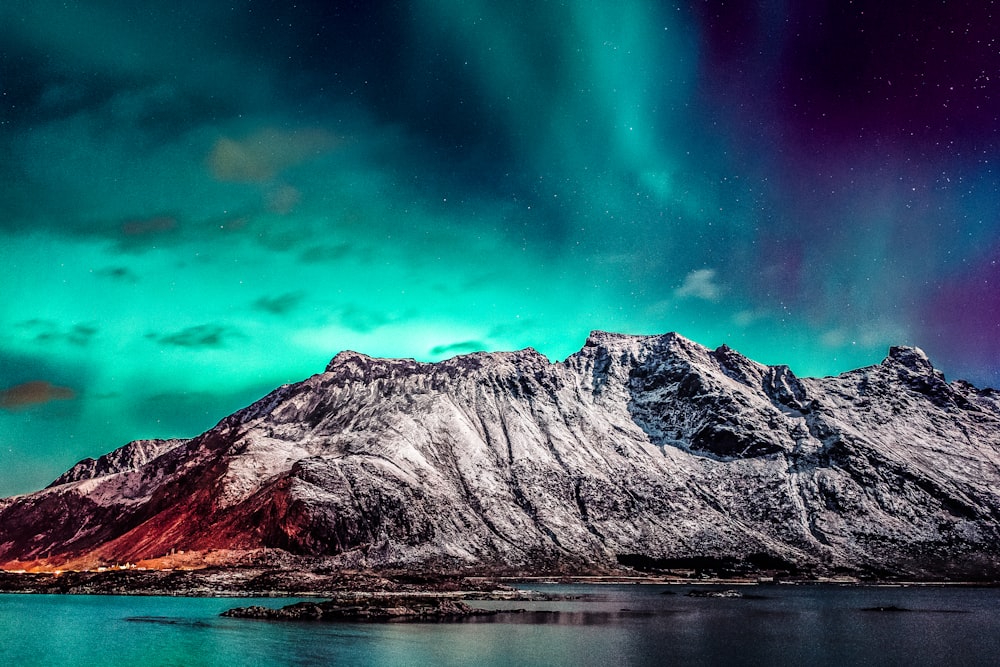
(368, 608)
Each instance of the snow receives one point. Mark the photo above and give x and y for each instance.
(634, 444)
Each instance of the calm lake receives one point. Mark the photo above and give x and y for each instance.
(608, 625)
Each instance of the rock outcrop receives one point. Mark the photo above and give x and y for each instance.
(394, 608)
(648, 447)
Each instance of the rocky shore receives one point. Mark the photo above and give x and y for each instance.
(249, 582)
(327, 582)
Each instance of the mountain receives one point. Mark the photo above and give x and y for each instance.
(636, 450)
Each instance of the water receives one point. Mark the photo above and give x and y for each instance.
(609, 625)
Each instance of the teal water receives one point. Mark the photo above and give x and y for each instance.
(608, 625)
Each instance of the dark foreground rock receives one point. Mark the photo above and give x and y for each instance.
(395, 608)
(250, 582)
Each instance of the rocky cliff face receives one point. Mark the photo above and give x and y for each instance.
(129, 457)
(649, 447)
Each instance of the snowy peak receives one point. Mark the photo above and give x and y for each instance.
(517, 361)
(668, 343)
(355, 366)
(651, 446)
(132, 456)
(611, 358)
(913, 369)
(740, 368)
(350, 365)
(911, 358)
(598, 338)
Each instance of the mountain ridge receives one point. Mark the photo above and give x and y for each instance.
(648, 447)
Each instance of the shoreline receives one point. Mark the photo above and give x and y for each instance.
(248, 582)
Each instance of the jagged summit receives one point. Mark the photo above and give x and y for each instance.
(354, 366)
(598, 337)
(634, 446)
(731, 361)
(741, 368)
(912, 358)
(348, 356)
(658, 342)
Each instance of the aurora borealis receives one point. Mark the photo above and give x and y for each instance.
(201, 201)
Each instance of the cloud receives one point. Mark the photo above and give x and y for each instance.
(146, 226)
(36, 392)
(202, 335)
(699, 284)
(137, 234)
(283, 199)
(325, 253)
(118, 273)
(48, 331)
(279, 305)
(464, 347)
(748, 317)
(259, 157)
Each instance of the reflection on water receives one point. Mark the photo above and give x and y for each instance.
(568, 617)
(594, 625)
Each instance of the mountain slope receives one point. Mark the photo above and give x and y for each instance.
(635, 446)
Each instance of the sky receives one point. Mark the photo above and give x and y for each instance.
(200, 201)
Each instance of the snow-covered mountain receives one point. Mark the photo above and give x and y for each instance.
(635, 447)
